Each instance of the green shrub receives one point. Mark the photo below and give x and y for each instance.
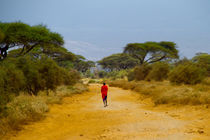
(50, 73)
(139, 73)
(44, 74)
(31, 75)
(3, 95)
(70, 77)
(12, 79)
(203, 60)
(159, 71)
(187, 74)
(29, 66)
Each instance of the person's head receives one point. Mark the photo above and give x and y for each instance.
(104, 84)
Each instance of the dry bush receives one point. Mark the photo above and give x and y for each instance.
(187, 73)
(166, 93)
(139, 73)
(193, 95)
(159, 71)
(25, 108)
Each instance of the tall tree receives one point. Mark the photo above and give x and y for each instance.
(150, 52)
(26, 37)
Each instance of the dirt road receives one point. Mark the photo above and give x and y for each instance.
(126, 117)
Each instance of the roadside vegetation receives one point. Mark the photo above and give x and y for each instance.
(159, 73)
(25, 108)
(36, 70)
(166, 93)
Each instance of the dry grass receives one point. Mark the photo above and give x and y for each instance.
(25, 108)
(166, 93)
(95, 81)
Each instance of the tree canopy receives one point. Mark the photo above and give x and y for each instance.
(81, 64)
(118, 62)
(26, 37)
(150, 52)
(58, 54)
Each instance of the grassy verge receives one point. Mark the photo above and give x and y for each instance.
(25, 108)
(166, 93)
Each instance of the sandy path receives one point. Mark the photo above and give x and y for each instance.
(84, 117)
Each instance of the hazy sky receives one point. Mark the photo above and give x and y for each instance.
(98, 28)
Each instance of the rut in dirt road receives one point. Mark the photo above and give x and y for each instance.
(84, 117)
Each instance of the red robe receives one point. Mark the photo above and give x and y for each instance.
(104, 90)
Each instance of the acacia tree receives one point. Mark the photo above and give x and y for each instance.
(81, 64)
(59, 54)
(26, 37)
(118, 62)
(150, 52)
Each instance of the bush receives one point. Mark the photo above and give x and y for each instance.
(44, 74)
(29, 66)
(159, 71)
(139, 73)
(70, 77)
(12, 79)
(31, 75)
(52, 75)
(187, 74)
(203, 60)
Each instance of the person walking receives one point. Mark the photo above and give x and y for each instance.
(104, 90)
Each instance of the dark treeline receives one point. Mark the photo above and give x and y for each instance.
(155, 61)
